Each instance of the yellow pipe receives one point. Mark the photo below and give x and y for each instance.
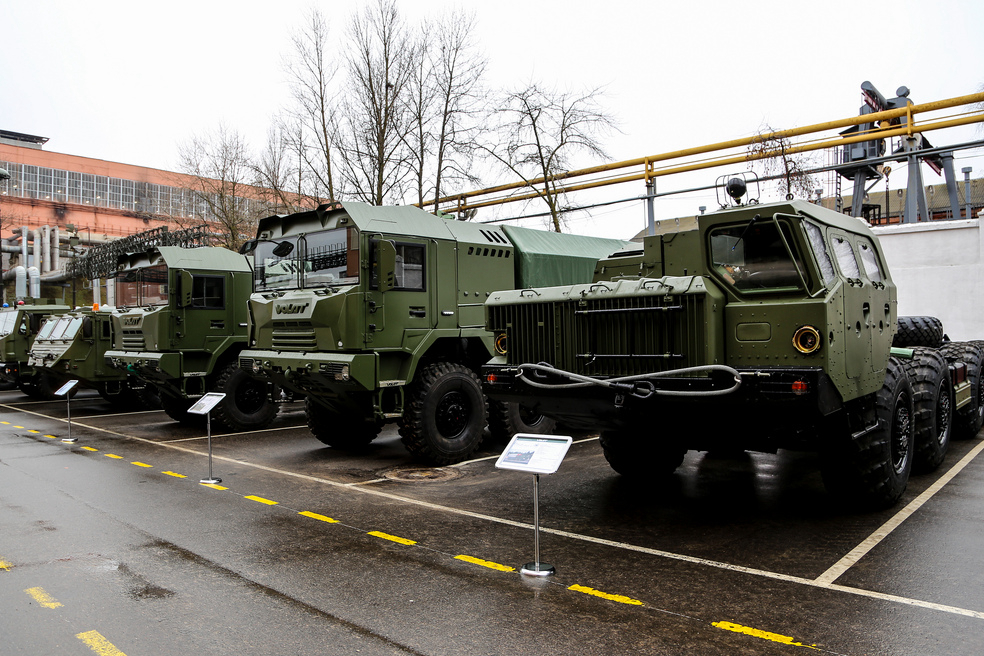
(908, 111)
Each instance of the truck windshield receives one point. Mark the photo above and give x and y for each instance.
(139, 287)
(65, 327)
(8, 322)
(317, 259)
(753, 256)
(49, 326)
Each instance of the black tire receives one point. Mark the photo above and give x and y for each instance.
(873, 469)
(933, 404)
(348, 431)
(40, 386)
(970, 418)
(177, 409)
(636, 457)
(919, 331)
(247, 405)
(507, 419)
(444, 415)
(114, 393)
(142, 395)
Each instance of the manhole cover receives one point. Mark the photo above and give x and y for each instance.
(422, 474)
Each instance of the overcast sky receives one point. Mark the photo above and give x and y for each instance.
(129, 81)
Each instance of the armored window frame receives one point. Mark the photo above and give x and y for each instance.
(403, 248)
(869, 260)
(207, 292)
(727, 264)
(847, 260)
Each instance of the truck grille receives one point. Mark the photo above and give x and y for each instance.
(294, 336)
(619, 336)
(133, 340)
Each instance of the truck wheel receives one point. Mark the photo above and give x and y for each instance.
(507, 419)
(247, 405)
(341, 430)
(177, 408)
(874, 468)
(113, 393)
(919, 331)
(632, 456)
(445, 414)
(970, 418)
(932, 400)
(39, 387)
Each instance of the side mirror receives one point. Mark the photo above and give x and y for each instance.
(283, 249)
(185, 285)
(385, 264)
(247, 247)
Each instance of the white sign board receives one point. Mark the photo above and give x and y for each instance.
(536, 454)
(204, 405)
(66, 388)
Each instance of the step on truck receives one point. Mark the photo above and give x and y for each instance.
(377, 314)
(180, 325)
(758, 327)
(73, 346)
(19, 325)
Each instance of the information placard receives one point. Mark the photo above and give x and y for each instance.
(66, 388)
(536, 454)
(204, 405)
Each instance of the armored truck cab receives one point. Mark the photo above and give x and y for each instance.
(180, 326)
(753, 328)
(377, 313)
(72, 346)
(19, 325)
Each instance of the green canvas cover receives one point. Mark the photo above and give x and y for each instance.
(548, 259)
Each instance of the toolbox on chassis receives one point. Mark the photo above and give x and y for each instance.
(180, 325)
(757, 327)
(19, 325)
(377, 313)
(72, 346)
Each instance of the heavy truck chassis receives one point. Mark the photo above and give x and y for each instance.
(758, 327)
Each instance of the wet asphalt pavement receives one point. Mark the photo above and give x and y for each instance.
(112, 546)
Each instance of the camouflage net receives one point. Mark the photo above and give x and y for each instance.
(101, 261)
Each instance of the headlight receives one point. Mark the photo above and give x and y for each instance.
(806, 340)
(501, 344)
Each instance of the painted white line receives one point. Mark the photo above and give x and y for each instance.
(856, 554)
(775, 576)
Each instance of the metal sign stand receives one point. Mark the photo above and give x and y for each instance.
(64, 391)
(536, 454)
(203, 406)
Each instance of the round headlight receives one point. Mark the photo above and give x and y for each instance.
(500, 344)
(806, 340)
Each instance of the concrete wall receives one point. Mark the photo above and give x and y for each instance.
(939, 272)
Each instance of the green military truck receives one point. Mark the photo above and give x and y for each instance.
(757, 327)
(180, 325)
(377, 313)
(72, 346)
(19, 325)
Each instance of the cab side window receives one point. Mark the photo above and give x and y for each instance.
(869, 259)
(208, 292)
(844, 252)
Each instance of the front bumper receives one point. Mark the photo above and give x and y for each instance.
(153, 367)
(315, 373)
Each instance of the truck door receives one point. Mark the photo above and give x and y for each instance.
(399, 312)
(857, 308)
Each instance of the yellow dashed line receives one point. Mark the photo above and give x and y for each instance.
(5, 566)
(141, 464)
(5, 422)
(171, 473)
(113, 455)
(43, 598)
(89, 448)
(387, 536)
(261, 500)
(756, 633)
(486, 563)
(320, 518)
(604, 595)
(33, 431)
(99, 644)
(213, 486)
(54, 437)
(18, 427)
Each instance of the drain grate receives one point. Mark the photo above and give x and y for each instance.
(422, 474)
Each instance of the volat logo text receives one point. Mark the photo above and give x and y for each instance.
(131, 321)
(291, 308)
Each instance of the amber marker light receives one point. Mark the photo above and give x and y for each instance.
(500, 344)
(807, 340)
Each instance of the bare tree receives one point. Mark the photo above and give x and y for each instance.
(791, 169)
(540, 131)
(444, 101)
(280, 171)
(226, 198)
(314, 130)
(372, 138)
